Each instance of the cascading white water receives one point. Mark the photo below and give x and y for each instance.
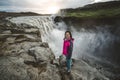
(89, 44)
(50, 32)
(44, 23)
(86, 42)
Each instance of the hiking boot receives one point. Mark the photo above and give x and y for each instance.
(68, 71)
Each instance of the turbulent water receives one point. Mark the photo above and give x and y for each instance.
(97, 44)
(50, 32)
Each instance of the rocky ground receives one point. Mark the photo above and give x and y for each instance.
(24, 56)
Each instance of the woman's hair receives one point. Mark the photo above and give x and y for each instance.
(69, 33)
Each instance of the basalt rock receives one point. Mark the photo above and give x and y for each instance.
(23, 56)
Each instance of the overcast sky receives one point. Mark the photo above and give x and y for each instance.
(42, 6)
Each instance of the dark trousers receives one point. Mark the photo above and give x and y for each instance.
(68, 63)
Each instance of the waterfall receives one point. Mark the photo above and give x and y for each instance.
(97, 43)
(50, 32)
(44, 23)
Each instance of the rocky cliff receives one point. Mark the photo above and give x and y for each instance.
(104, 13)
(24, 56)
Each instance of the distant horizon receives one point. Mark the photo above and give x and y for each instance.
(43, 6)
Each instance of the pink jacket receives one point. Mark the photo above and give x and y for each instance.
(66, 44)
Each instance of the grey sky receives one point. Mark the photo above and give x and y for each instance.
(42, 6)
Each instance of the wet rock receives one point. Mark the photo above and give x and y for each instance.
(58, 19)
(41, 53)
(13, 68)
(24, 37)
(24, 56)
(6, 32)
(44, 44)
(79, 71)
(51, 73)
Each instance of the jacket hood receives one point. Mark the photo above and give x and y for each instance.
(71, 39)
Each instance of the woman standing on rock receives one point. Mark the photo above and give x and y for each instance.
(68, 48)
